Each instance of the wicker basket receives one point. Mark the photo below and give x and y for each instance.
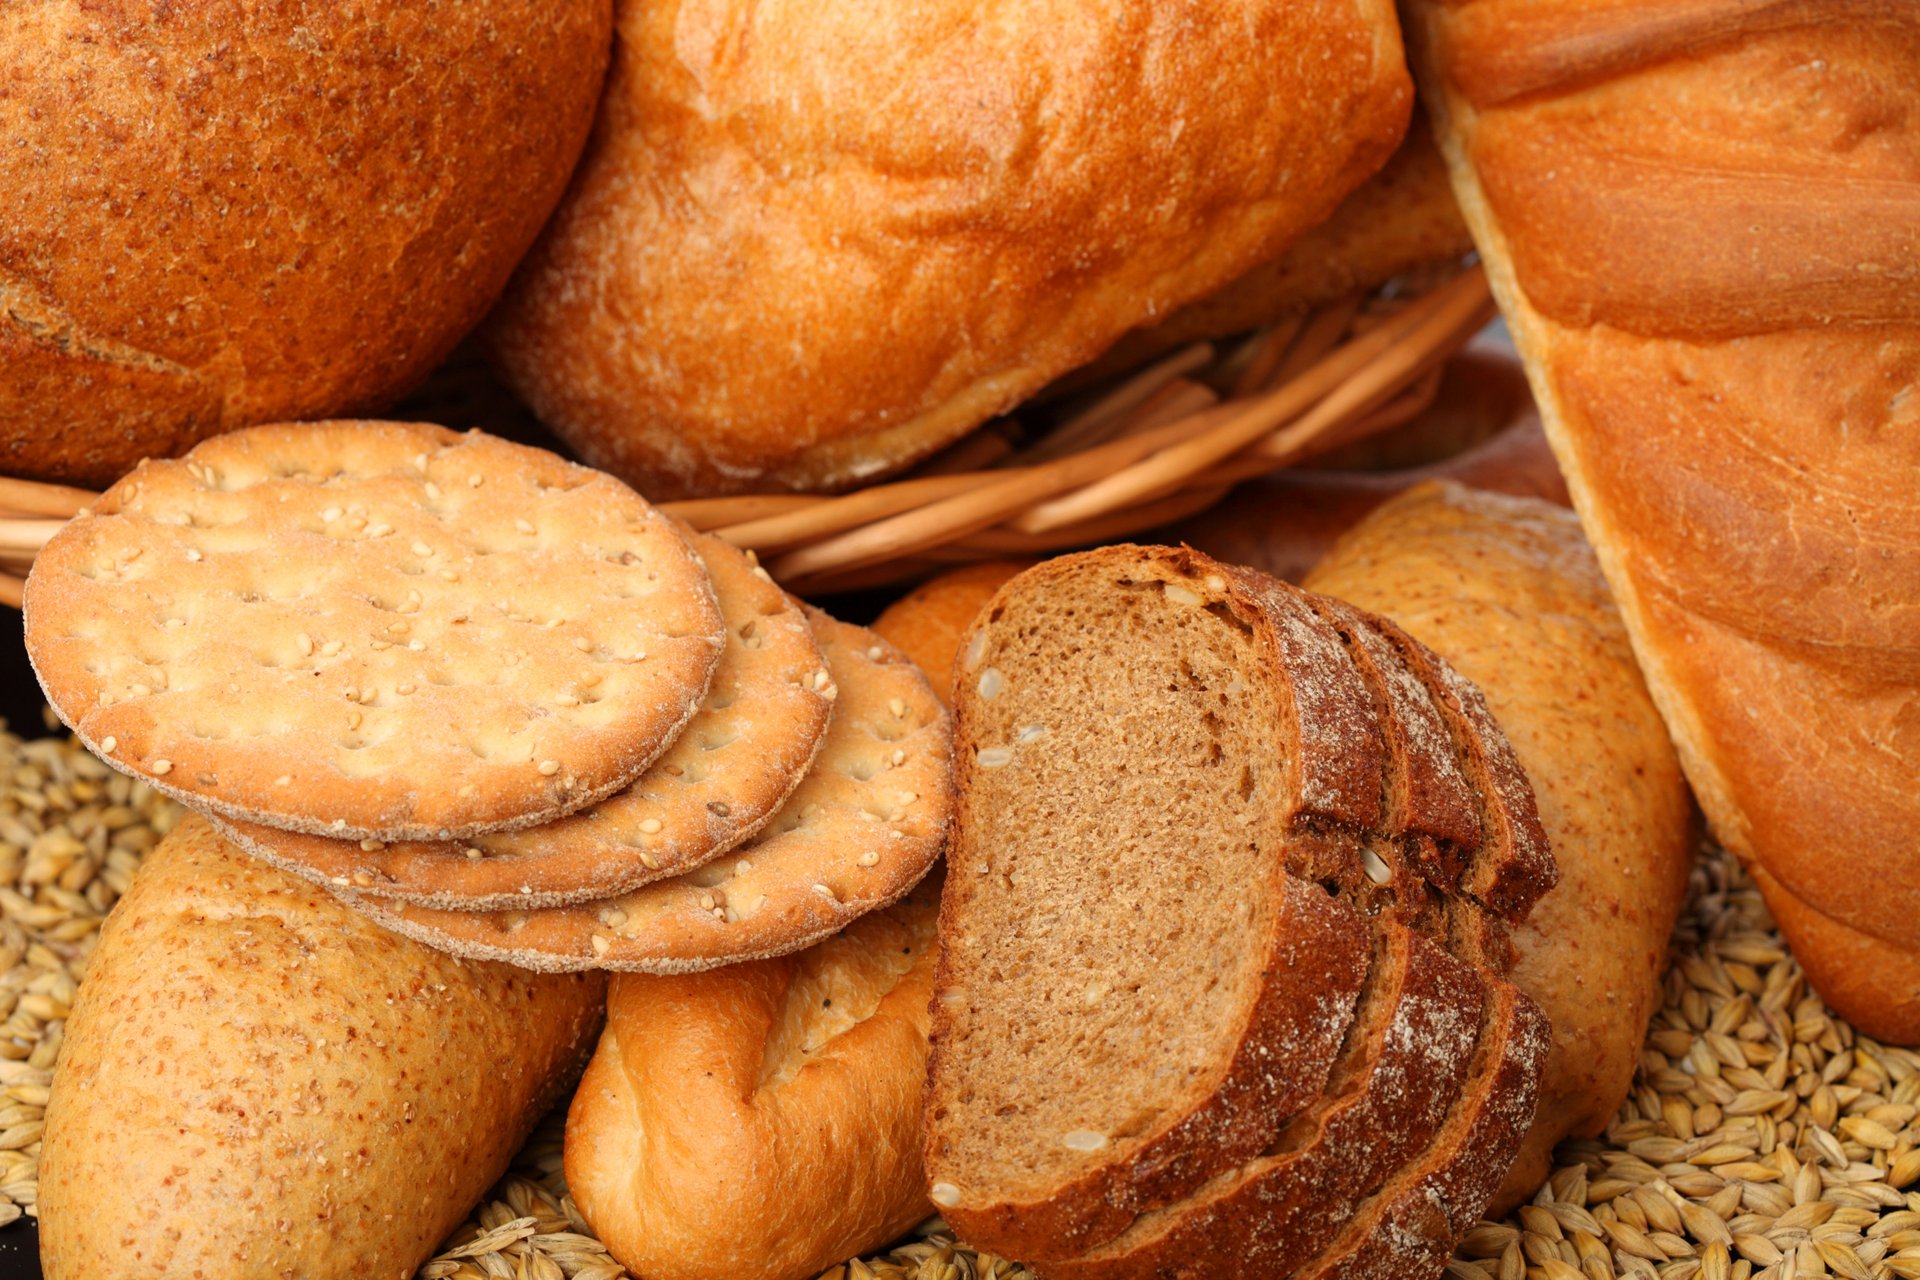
(1098, 464)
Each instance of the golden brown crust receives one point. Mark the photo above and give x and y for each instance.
(806, 247)
(1724, 355)
(1861, 976)
(213, 215)
(1510, 593)
(763, 1118)
(258, 1082)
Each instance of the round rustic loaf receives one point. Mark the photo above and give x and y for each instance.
(215, 215)
(812, 243)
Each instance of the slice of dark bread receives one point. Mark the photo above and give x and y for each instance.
(1431, 810)
(1142, 731)
(1134, 992)
(1277, 1211)
(1515, 868)
(1407, 1230)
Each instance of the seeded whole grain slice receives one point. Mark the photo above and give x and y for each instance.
(725, 776)
(1162, 761)
(374, 630)
(859, 832)
(1401, 1072)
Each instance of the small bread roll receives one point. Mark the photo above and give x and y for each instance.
(1508, 591)
(929, 620)
(258, 1082)
(761, 1121)
(810, 244)
(213, 215)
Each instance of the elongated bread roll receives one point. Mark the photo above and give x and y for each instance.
(258, 1082)
(1507, 590)
(1702, 221)
(761, 1121)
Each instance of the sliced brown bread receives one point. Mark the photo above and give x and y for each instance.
(1134, 992)
(1153, 676)
(1388, 1099)
(1407, 1230)
(1515, 868)
(1431, 808)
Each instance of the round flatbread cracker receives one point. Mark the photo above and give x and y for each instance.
(857, 835)
(729, 771)
(375, 630)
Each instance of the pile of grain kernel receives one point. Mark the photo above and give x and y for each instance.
(71, 833)
(1765, 1139)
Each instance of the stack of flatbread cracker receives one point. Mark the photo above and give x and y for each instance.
(491, 698)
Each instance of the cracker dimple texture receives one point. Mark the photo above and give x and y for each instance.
(724, 777)
(858, 833)
(376, 630)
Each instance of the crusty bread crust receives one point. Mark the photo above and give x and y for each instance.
(809, 246)
(1401, 220)
(762, 1119)
(334, 1110)
(1724, 350)
(1430, 807)
(213, 215)
(1861, 976)
(1514, 868)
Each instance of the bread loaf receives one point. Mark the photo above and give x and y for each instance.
(762, 1121)
(1507, 590)
(1702, 222)
(257, 1082)
(810, 245)
(1214, 954)
(215, 215)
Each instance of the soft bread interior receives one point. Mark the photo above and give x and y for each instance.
(1122, 796)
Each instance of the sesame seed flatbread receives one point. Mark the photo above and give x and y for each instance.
(375, 630)
(857, 835)
(723, 778)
